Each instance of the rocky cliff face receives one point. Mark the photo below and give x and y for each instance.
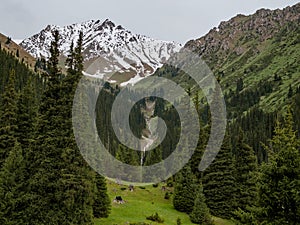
(239, 33)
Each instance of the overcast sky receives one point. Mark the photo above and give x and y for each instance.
(178, 20)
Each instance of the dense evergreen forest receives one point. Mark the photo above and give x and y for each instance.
(43, 178)
(255, 178)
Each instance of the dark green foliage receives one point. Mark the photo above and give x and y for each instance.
(200, 213)
(101, 201)
(290, 92)
(26, 115)
(156, 218)
(178, 221)
(14, 197)
(239, 102)
(52, 64)
(167, 195)
(62, 183)
(258, 127)
(279, 183)
(243, 217)
(127, 155)
(246, 174)
(296, 112)
(184, 191)
(239, 85)
(101, 207)
(8, 63)
(153, 156)
(8, 118)
(219, 184)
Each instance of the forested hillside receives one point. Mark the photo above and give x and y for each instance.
(43, 177)
(254, 179)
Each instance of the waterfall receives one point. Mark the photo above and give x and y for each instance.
(148, 137)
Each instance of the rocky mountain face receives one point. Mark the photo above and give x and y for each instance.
(107, 48)
(242, 32)
(255, 58)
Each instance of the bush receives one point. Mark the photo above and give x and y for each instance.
(155, 185)
(167, 195)
(123, 188)
(178, 221)
(156, 218)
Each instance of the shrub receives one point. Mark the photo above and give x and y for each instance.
(167, 195)
(156, 218)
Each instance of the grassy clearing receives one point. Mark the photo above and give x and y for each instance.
(142, 203)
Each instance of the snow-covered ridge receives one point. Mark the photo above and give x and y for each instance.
(113, 46)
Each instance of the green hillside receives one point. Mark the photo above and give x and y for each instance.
(261, 50)
(143, 202)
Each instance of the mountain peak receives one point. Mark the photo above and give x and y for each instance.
(113, 45)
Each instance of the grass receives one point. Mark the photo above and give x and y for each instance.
(142, 203)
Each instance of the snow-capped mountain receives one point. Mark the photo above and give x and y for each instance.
(107, 48)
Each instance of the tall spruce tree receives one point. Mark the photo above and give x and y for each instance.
(184, 191)
(14, 196)
(45, 155)
(246, 174)
(279, 183)
(200, 213)
(15, 174)
(61, 182)
(13, 192)
(219, 184)
(101, 201)
(8, 118)
(101, 207)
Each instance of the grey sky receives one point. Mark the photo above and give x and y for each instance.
(162, 19)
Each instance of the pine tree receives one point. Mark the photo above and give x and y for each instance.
(127, 156)
(78, 55)
(153, 156)
(8, 118)
(45, 155)
(246, 174)
(101, 207)
(26, 115)
(279, 183)
(100, 199)
(219, 185)
(70, 60)
(61, 181)
(14, 197)
(184, 191)
(200, 213)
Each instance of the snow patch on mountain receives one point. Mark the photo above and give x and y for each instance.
(106, 48)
